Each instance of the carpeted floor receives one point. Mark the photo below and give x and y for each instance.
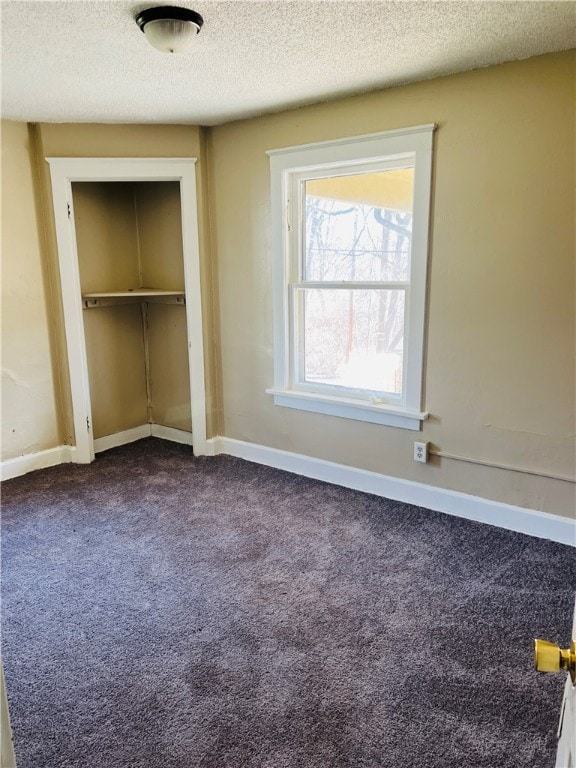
(161, 611)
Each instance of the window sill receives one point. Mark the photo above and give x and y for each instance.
(360, 410)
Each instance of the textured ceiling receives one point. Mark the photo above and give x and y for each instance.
(77, 61)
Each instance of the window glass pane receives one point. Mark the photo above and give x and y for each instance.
(353, 338)
(359, 227)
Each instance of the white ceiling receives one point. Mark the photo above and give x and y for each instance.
(87, 61)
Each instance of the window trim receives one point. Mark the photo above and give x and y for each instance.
(288, 166)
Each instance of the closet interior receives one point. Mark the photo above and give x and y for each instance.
(131, 268)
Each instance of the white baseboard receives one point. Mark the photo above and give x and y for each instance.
(64, 454)
(137, 433)
(21, 465)
(121, 438)
(531, 522)
(172, 434)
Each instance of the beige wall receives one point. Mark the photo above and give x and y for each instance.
(167, 355)
(32, 307)
(500, 345)
(87, 140)
(106, 236)
(500, 348)
(29, 420)
(129, 235)
(116, 368)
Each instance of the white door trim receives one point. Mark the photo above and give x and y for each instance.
(7, 756)
(64, 171)
(566, 752)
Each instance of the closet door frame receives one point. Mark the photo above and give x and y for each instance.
(63, 172)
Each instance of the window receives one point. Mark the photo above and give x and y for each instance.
(350, 222)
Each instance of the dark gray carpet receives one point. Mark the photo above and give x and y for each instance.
(162, 611)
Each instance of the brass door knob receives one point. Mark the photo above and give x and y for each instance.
(549, 657)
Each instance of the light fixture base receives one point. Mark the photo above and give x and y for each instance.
(168, 28)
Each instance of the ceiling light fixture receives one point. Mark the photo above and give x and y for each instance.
(169, 29)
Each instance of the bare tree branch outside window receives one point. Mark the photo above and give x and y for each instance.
(355, 337)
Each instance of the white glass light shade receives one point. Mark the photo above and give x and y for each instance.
(170, 35)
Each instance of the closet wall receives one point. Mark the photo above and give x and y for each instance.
(160, 232)
(155, 214)
(129, 236)
(28, 383)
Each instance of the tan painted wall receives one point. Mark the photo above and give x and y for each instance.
(130, 235)
(159, 223)
(169, 380)
(500, 348)
(106, 236)
(61, 140)
(32, 308)
(116, 368)
(160, 238)
(108, 259)
(29, 420)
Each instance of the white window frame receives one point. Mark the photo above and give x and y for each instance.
(289, 168)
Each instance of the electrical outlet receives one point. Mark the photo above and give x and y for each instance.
(421, 452)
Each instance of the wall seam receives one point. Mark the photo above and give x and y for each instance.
(205, 145)
(52, 294)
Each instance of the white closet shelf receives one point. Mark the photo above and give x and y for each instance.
(132, 292)
(155, 295)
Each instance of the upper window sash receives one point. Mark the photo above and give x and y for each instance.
(295, 199)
